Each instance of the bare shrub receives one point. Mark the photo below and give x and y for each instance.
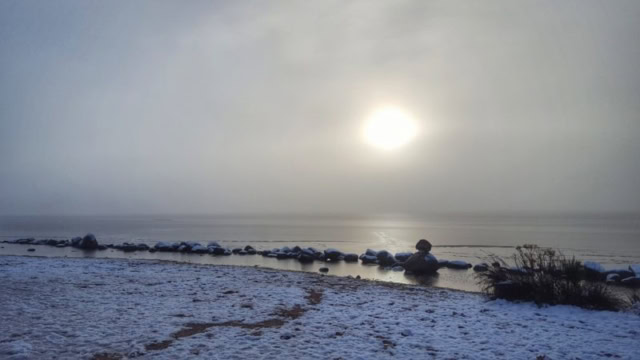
(546, 276)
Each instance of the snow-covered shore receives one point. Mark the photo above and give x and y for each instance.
(111, 309)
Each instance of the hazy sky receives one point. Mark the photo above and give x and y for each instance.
(242, 106)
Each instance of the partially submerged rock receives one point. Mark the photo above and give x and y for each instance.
(458, 264)
(333, 254)
(88, 242)
(351, 257)
(385, 258)
(368, 259)
(421, 263)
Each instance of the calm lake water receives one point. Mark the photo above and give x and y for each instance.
(613, 240)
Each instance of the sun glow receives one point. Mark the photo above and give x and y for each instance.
(389, 128)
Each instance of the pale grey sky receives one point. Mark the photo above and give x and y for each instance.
(258, 106)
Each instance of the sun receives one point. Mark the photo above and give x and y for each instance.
(389, 128)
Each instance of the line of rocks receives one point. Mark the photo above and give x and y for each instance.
(420, 262)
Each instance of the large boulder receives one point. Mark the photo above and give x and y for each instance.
(421, 263)
(423, 245)
(385, 258)
(88, 242)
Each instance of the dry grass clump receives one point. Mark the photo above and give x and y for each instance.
(546, 276)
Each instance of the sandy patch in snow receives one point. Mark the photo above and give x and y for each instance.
(118, 309)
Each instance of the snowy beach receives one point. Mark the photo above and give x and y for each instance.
(117, 309)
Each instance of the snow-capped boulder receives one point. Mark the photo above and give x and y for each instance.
(423, 245)
(306, 256)
(213, 244)
(163, 246)
(333, 254)
(217, 250)
(351, 257)
(371, 252)
(88, 242)
(385, 258)
(421, 263)
(199, 249)
(75, 242)
(403, 256)
(369, 259)
(623, 273)
(631, 281)
(458, 264)
(611, 278)
(635, 269)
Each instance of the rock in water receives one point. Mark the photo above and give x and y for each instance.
(368, 259)
(458, 264)
(163, 246)
(421, 263)
(88, 242)
(76, 241)
(306, 256)
(423, 245)
(333, 254)
(385, 258)
(371, 252)
(351, 257)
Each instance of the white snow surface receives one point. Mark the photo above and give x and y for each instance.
(56, 308)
